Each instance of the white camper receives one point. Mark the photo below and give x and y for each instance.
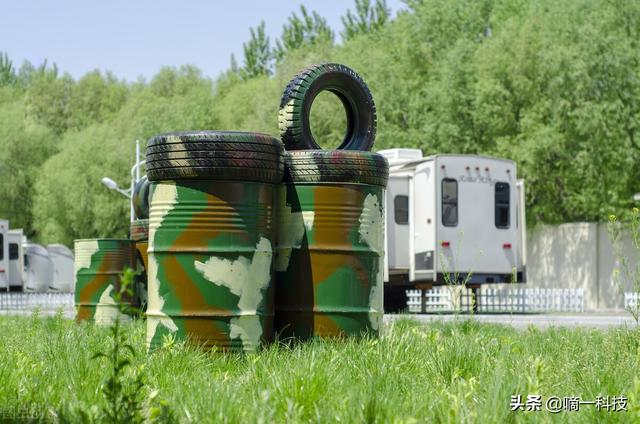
(63, 276)
(38, 267)
(4, 255)
(451, 215)
(11, 258)
(16, 260)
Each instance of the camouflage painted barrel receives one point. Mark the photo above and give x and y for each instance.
(99, 264)
(329, 261)
(210, 263)
(139, 230)
(140, 234)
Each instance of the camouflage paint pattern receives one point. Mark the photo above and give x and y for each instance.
(210, 263)
(98, 266)
(139, 230)
(140, 198)
(329, 260)
(140, 234)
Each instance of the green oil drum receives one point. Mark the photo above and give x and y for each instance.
(330, 248)
(210, 263)
(99, 264)
(140, 234)
(139, 230)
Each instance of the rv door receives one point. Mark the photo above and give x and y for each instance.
(422, 224)
(4, 255)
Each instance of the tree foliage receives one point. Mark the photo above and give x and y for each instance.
(7, 72)
(366, 18)
(554, 86)
(257, 54)
(303, 31)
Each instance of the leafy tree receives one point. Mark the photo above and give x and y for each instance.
(95, 98)
(303, 32)
(365, 19)
(47, 98)
(24, 146)
(234, 67)
(257, 54)
(7, 72)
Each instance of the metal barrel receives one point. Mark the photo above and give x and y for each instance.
(98, 266)
(329, 261)
(139, 232)
(210, 263)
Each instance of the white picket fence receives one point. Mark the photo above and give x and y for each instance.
(30, 301)
(508, 299)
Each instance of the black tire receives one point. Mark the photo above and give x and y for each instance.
(215, 155)
(337, 166)
(140, 198)
(346, 84)
(395, 299)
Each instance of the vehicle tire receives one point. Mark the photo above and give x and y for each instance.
(140, 198)
(395, 299)
(339, 166)
(215, 155)
(346, 84)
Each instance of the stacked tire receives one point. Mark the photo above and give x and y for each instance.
(211, 238)
(329, 262)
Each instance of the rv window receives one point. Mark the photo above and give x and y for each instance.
(502, 205)
(1, 247)
(449, 202)
(401, 209)
(13, 251)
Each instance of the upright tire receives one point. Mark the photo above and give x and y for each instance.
(346, 84)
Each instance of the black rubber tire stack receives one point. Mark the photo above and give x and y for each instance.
(215, 155)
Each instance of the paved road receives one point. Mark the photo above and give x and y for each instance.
(521, 322)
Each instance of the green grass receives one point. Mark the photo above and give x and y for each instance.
(454, 372)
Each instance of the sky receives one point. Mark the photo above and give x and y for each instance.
(137, 37)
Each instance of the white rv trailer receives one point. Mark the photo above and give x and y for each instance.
(63, 275)
(38, 268)
(16, 260)
(451, 215)
(4, 255)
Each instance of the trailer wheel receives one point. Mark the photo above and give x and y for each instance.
(395, 299)
(339, 166)
(215, 155)
(348, 86)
